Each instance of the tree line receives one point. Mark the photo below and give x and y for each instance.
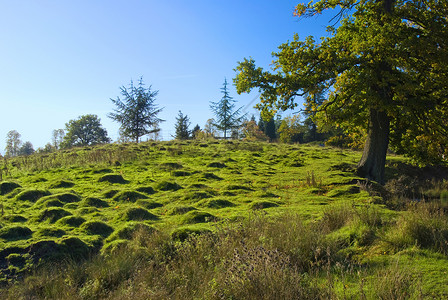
(137, 113)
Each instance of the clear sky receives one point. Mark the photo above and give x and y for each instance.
(61, 59)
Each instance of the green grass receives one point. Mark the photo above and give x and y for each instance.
(296, 205)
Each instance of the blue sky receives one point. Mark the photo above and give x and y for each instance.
(61, 59)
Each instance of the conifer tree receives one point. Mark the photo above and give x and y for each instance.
(182, 124)
(226, 117)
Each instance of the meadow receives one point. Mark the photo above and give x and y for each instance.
(219, 220)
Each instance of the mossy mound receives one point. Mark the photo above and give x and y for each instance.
(114, 247)
(197, 195)
(170, 166)
(146, 189)
(343, 191)
(15, 218)
(211, 176)
(138, 214)
(195, 216)
(102, 171)
(218, 203)
(168, 186)
(180, 173)
(181, 234)
(75, 248)
(7, 187)
(180, 210)
(51, 203)
(148, 204)
(62, 184)
(95, 202)
(17, 260)
(129, 230)
(112, 178)
(15, 233)
(265, 195)
(67, 197)
(263, 204)
(50, 232)
(97, 228)
(344, 167)
(218, 165)
(110, 194)
(52, 214)
(199, 186)
(87, 210)
(235, 187)
(32, 195)
(129, 196)
(71, 221)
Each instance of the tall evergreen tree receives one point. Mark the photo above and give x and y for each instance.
(181, 126)
(137, 113)
(226, 117)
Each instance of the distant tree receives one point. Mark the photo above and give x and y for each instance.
(84, 131)
(181, 126)
(251, 131)
(26, 149)
(226, 117)
(48, 148)
(137, 112)
(13, 143)
(291, 130)
(210, 128)
(58, 138)
(195, 130)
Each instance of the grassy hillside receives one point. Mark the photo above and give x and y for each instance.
(219, 220)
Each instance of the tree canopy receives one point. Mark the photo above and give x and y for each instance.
(137, 112)
(84, 131)
(384, 69)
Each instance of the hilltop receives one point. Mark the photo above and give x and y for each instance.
(100, 202)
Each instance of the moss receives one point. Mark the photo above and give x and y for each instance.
(72, 221)
(110, 194)
(180, 210)
(168, 186)
(218, 203)
(138, 214)
(195, 216)
(148, 204)
(129, 196)
(146, 189)
(180, 173)
(97, 228)
(170, 166)
(32, 195)
(211, 176)
(263, 204)
(16, 260)
(198, 195)
(181, 234)
(62, 184)
(343, 191)
(217, 165)
(234, 187)
(50, 232)
(67, 197)
(114, 247)
(101, 171)
(15, 218)
(7, 187)
(113, 178)
(128, 231)
(52, 214)
(15, 233)
(52, 203)
(95, 202)
(75, 248)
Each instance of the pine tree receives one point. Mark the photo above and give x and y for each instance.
(182, 124)
(138, 113)
(226, 117)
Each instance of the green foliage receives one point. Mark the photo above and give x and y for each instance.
(97, 228)
(181, 127)
(291, 130)
(13, 143)
(226, 117)
(17, 232)
(32, 195)
(137, 112)
(84, 131)
(52, 214)
(138, 214)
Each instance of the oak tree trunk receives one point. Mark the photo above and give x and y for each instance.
(373, 158)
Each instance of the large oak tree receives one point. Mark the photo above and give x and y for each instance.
(384, 68)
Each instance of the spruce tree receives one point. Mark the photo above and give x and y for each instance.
(182, 124)
(226, 117)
